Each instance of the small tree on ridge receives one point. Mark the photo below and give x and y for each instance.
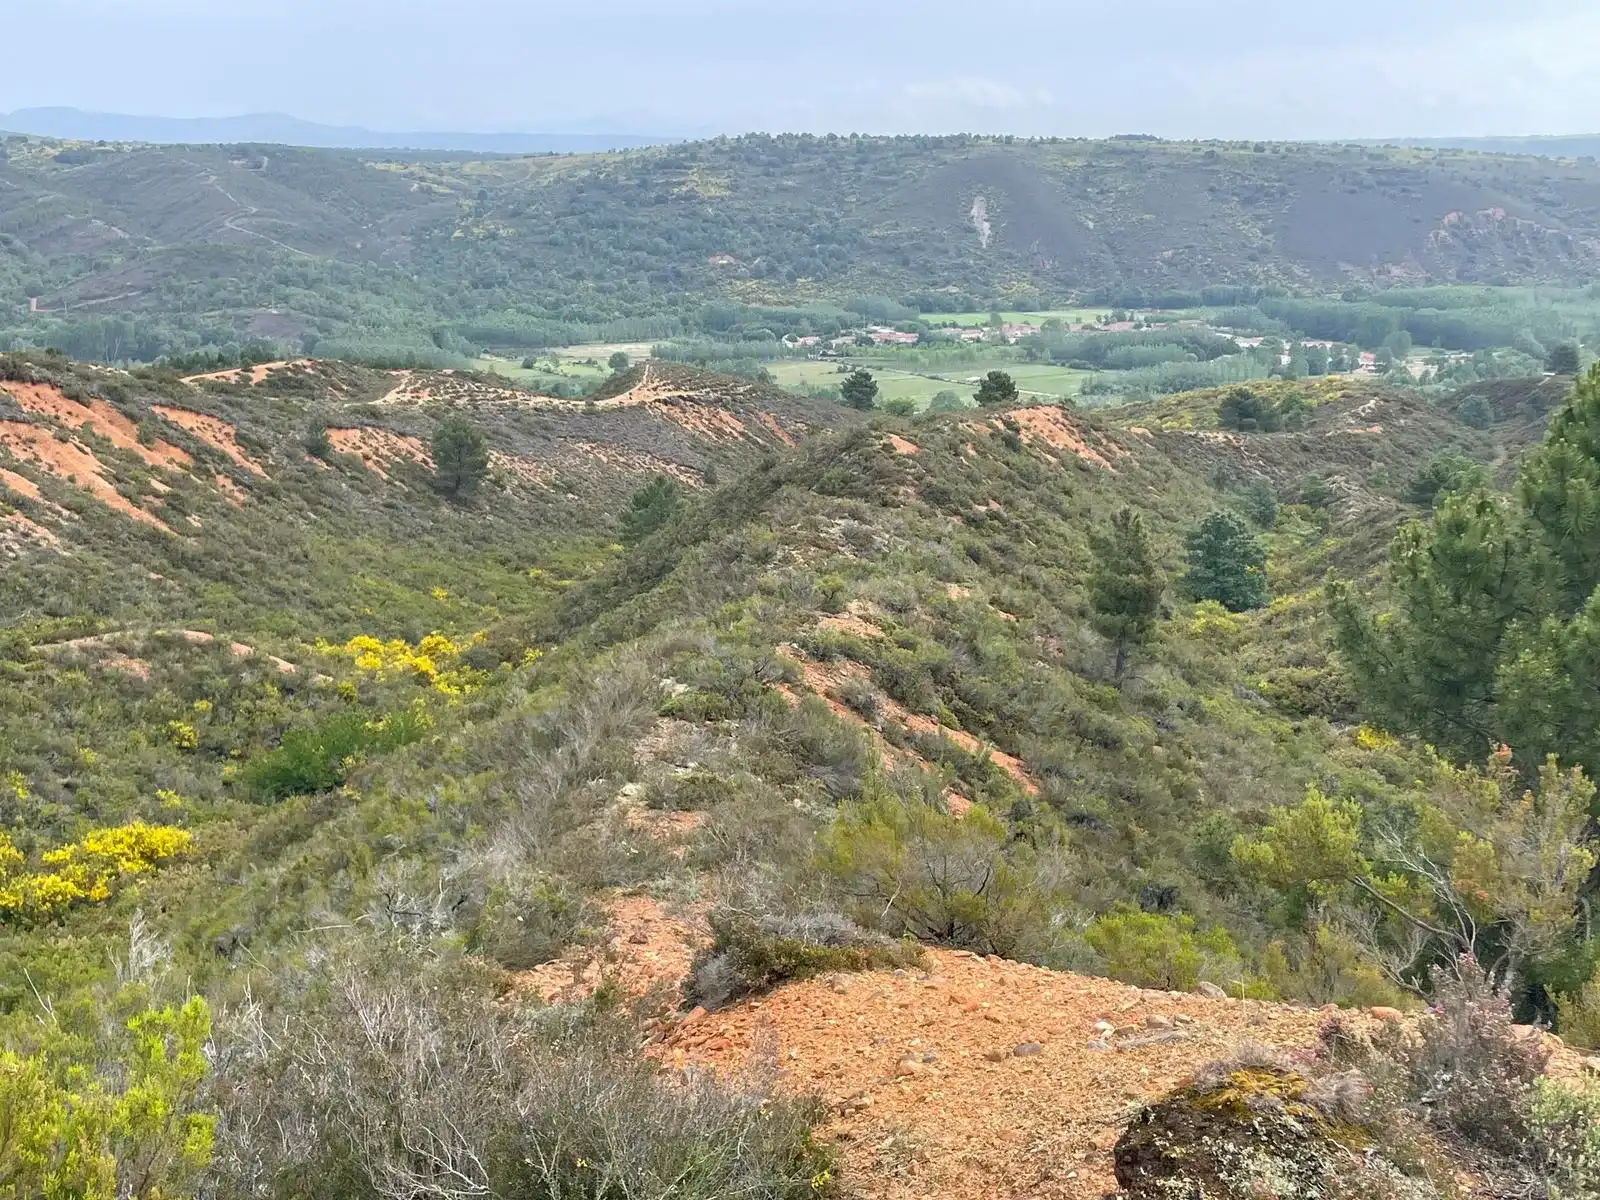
(460, 458)
(1125, 586)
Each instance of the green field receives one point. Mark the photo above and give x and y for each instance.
(895, 382)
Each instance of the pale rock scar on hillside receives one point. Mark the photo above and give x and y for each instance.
(73, 462)
(97, 417)
(213, 431)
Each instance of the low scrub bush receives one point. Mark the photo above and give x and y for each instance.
(908, 867)
(392, 1076)
(316, 759)
(1578, 1014)
(1156, 950)
(86, 870)
(755, 954)
(1565, 1123)
(131, 1125)
(1471, 1066)
(529, 919)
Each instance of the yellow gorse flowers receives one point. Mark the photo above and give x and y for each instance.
(86, 870)
(434, 661)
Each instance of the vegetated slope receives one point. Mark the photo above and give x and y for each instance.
(148, 523)
(259, 239)
(175, 454)
(883, 618)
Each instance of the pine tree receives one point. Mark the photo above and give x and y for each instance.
(652, 506)
(997, 388)
(317, 442)
(1559, 489)
(1430, 667)
(860, 390)
(1125, 586)
(1227, 563)
(1563, 359)
(460, 458)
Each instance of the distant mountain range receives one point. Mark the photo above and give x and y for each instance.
(282, 130)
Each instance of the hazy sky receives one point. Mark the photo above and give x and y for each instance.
(1225, 68)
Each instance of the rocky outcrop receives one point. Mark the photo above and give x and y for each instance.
(1242, 1131)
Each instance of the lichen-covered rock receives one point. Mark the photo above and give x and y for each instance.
(1253, 1133)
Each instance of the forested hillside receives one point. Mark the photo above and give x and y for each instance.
(403, 776)
(134, 252)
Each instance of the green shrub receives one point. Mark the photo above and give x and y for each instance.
(316, 759)
(132, 1126)
(692, 791)
(1578, 1014)
(1155, 950)
(753, 955)
(905, 865)
(1566, 1138)
(528, 919)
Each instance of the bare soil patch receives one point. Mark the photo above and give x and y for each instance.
(380, 448)
(929, 1093)
(73, 462)
(255, 374)
(825, 679)
(20, 484)
(1050, 426)
(214, 432)
(97, 417)
(19, 534)
(647, 951)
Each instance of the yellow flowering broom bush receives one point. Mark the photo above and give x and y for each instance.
(434, 661)
(86, 870)
(73, 1132)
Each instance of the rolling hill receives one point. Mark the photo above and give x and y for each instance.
(190, 245)
(460, 825)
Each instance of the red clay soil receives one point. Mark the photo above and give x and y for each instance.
(20, 484)
(777, 430)
(981, 1079)
(971, 1079)
(646, 952)
(258, 373)
(524, 470)
(70, 461)
(901, 446)
(633, 460)
(825, 678)
(851, 623)
(379, 448)
(98, 417)
(1050, 426)
(231, 491)
(214, 432)
(710, 422)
